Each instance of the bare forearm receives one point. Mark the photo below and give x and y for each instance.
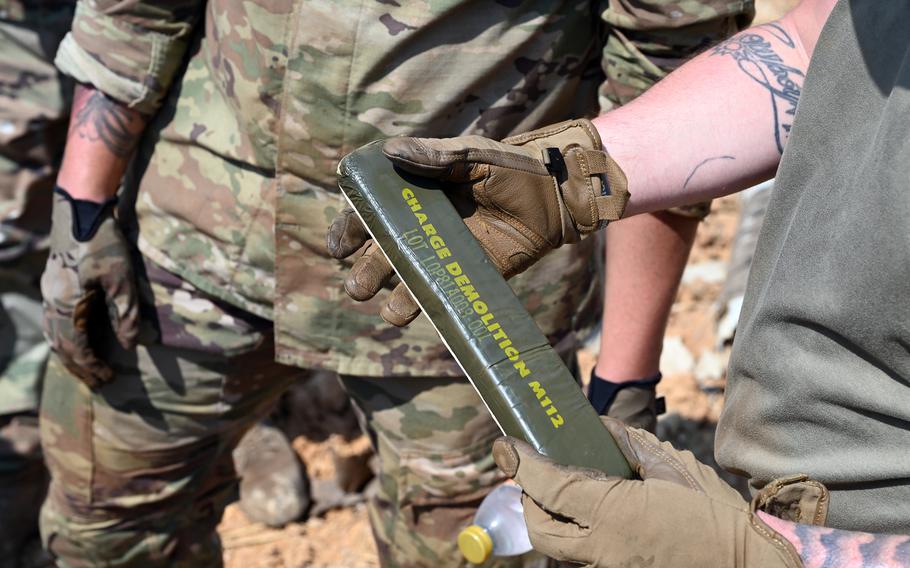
(821, 547)
(719, 123)
(649, 253)
(102, 136)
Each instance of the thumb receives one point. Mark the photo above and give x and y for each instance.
(448, 159)
(620, 433)
(430, 157)
(572, 492)
(400, 308)
(652, 459)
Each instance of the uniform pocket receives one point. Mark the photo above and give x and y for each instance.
(439, 491)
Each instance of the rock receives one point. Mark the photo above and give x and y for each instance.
(711, 368)
(726, 325)
(273, 484)
(711, 272)
(328, 495)
(352, 463)
(675, 358)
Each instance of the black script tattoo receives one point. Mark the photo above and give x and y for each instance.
(758, 59)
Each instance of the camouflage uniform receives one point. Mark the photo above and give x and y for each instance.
(34, 107)
(33, 111)
(233, 191)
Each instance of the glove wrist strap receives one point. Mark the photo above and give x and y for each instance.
(602, 393)
(612, 204)
(87, 215)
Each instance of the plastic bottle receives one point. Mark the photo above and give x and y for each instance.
(499, 527)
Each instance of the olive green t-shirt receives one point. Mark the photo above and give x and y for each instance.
(819, 379)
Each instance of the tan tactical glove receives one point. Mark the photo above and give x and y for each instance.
(88, 268)
(680, 513)
(521, 198)
(635, 403)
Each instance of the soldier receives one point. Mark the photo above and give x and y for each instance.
(34, 108)
(249, 106)
(34, 105)
(819, 369)
(646, 41)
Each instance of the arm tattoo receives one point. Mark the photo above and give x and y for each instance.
(821, 547)
(102, 119)
(702, 163)
(757, 58)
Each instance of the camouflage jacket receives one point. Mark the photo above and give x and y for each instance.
(258, 100)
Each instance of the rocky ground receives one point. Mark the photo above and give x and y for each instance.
(338, 458)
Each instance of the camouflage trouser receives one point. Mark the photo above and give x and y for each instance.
(142, 469)
(433, 437)
(646, 41)
(23, 351)
(23, 355)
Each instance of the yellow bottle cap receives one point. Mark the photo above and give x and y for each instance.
(475, 544)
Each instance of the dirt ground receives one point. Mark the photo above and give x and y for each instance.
(693, 367)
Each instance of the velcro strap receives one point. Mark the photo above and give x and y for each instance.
(611, 208)
(598, 162)
(612, 204)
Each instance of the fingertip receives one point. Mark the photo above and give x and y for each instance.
(346, 234)
(506, 455)
(355, 290)
(401, 306)
(394, 318)
(333, 240)
(402, 148)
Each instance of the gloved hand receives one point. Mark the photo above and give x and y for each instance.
(680, 513)
(635, 403)
(89, 263)
(523, 197)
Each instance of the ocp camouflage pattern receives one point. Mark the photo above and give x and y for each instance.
(236, 194)
(647, 39)
(34, 109)
(141, 466)
(34, 106)
(235, 189)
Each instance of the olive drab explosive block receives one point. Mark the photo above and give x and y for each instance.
(521, 379)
